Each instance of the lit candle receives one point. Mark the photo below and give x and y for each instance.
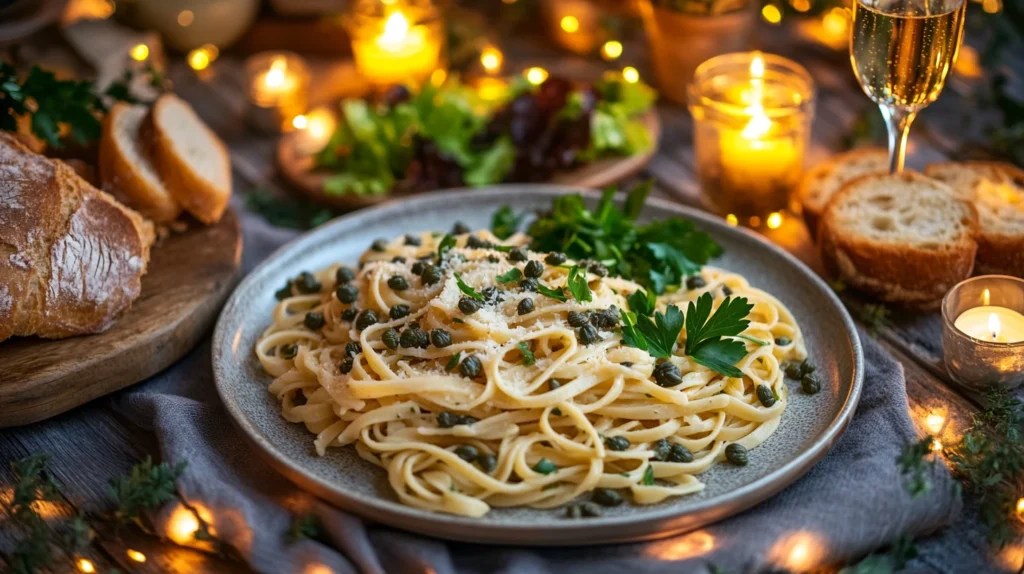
(401, 45)
(278, 86)
(314, 130)
(993, 324)
(983, 331)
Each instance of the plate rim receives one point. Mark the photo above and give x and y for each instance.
(657, 523)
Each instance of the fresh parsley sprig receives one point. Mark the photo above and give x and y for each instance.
(52, 104)
(466, 289)
(577, 284)
(511, 276)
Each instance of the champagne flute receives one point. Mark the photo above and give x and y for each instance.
(901, 52)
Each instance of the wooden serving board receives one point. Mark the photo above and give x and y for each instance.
(297, 169)
(190, 275)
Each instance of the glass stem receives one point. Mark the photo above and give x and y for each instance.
(897, 121)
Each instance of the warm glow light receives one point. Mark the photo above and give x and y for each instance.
(771, 13)
(536, 76)
(1020, 507)
(85, 565)
(774, 220)
(757, 67)
(136, 555)
(986, 298)
(800, 5)
(182, 526)
(936, 445)
(276, 76)
(438, 76)
(991, 6)
(631, 74)
(570, 24)
(198, 59)
(300, 122)
(611, 50)
(835, 22)
(317, 568)
(732, 220)
(185, 18)
(682, 548)
(755, 221)
(934, 422)
(139, 52)
(395, 29)
(799, 552)
(993, 325)
(491, 59)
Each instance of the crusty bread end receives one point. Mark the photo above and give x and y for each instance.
(825, 179)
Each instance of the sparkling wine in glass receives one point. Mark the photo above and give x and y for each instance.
(902, 51)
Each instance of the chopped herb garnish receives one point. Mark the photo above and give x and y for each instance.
(512, 276)
(642, 302)
(528, 358)
(446, 245)
(453, 362)
(544, 466)
(504, 222)
(648, 476)
(753, 340)
(659, 336)
(577, 284)
(469, 291)
(704, 332)
(556, 294)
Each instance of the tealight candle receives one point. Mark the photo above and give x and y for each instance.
(752, 115)
(313, 130)
(396, 41)
(278, 85)
(983, 331)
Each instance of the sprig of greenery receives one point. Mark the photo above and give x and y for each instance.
(146, 487)
(705, 333)
(915, 467)
(53, 104)
(286, 212)
(505, 222)
(528, 356)
(466, 289)
(448, 242)
(511, 276)
(577, 284)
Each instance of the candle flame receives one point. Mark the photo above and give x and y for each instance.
(934, 422)
(993, 325)
(1020, 507)
(758, 125)
(757, 67)
(136, 555)
(986, 297)
(491, 59)
(300, 122)
(275, 77)
(182, 526)
(85, 565)
(395, 29)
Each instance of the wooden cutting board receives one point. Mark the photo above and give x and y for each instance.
(297, 169)
(190, 275)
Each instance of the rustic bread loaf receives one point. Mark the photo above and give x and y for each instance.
(902, 238)
(997, 192)
(191, 159)
(825, 179)
(126, 171)
(71, 256)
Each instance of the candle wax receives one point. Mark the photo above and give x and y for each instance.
(1008, 325)
(398, 53)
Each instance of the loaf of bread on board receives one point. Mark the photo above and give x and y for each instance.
(71, 256)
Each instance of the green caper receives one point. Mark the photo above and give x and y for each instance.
(793, 371)
(577, 319)
(810, 384)
(529, 284)
(349, 314)
(399, 311)
(553, 384)
(737, 454)
(471, 367)
(661, 448)
(467, 452)
(346, 365)
(765, 395)
(487, 462)
(679, 453)
(289, 351)
(533, 269)
(588, 335)
(590, 509)
(607, 497)
(379, 245)
(307, 283)
(667, 374)
(353, 348)
(314, 320)
(597, 268)
(431, 275)
(695, 282)
(525, 306)
(460, 228)
(518, 254)
(783, 341)
(343, 275)
(616, 442)
(413, 338)
(474, 242)
(447, 419)
(418, 267)
(573, 511)
(391, 338)
(469, 305)
(807, 368)
(412, 240)
(555, 258)
(347, 294)
(398, 259)
(606, 318)
(284, 292)
(440, 338)
(726, 290)
(366, 319)
(398, 283)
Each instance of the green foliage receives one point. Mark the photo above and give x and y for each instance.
(615, 127)
(705, 332)
(577, 284)
(512, 275)
(466, 289)
(52, 103)
(448, 242)
(662, 333)
(306, 526)
(528, 356)
(146, 487)
(915, 467)
(505, 222)
(286, 212)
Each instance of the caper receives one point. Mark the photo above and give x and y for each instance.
(679, 453)
(474, 242)
(529, 284)
(590, 509)
(667, 374)
(661, 449)
(307, 283)
(447, 420)
(349, 314)
(492, 295)
(553, 384)
(616, 443)
(726, 290)
(391, 338)
(346, 365)
(555, 258)
(470, 367)
(810, 384)
(289, 351)
(379, 245)
(487, 462)
(412, 240)
(765, 395)
(366, 319)
(518, 254)
(783, 341)
(399, 311)
(431, 275)
(343, 275)
(606, 318)
(577, 319)
(413, 338)
(284, 292)
(533, 269)
(467, 452)
(418, 267)
(347, 293)
(695, 282)
(807, 368)
(573, 511)
(469, 305)
(440, 338)
(597, 268)
(398, 259)
(353, 348)
(493, 259)
(460, 228)
(398, 283)
(607, 497)
(737, 454)
(314, 320)
(793, 371)
(589, 335)
(525, 306)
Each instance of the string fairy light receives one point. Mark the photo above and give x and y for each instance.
(536, 75)
(631, 74)
(139, 52)
(732, 220)
(774, 220)
(570, 24)
(611, 50)
(185, 18)
(491, 59)
(136, 555)
(85, 565)
(771, 13)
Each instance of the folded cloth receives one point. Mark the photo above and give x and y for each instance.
(849, 504)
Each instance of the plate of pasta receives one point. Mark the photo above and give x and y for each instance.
(537, 365)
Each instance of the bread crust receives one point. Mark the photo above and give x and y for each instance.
(71, 256)
(893, 273)
(805, 191)
(123, 178)
(203, 198)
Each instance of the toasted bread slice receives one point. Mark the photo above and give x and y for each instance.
(190, 158)
(997, 191)
(125, 170)
(825, 179)
(902, 238)
(71, 256)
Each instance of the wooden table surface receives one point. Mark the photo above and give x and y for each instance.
(218, 97)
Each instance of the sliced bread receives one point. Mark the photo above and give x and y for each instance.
(191, 159)
(997, 191)
(825, 179)
(902, 238)
(126, 172)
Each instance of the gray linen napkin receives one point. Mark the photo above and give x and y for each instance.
(850, 503)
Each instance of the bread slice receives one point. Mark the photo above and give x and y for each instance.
(902, 238)
(192, 160)
(997, 191)
(126, 171)
(825, 179)
(71, 256)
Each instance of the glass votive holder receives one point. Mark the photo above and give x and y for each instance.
(397, 41)
(278, 89)
(983, 331)
(752, 117)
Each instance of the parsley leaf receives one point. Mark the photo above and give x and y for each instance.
(641, 302)
(528, 357)
(630, 335)
(661, 333)
(453, 362)
(513, 275)
(556, 294)
(704, 332)
(446, 245)
(504, 222)
(648, 476)
(721, 355)
(467, 289)
(577, 284)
